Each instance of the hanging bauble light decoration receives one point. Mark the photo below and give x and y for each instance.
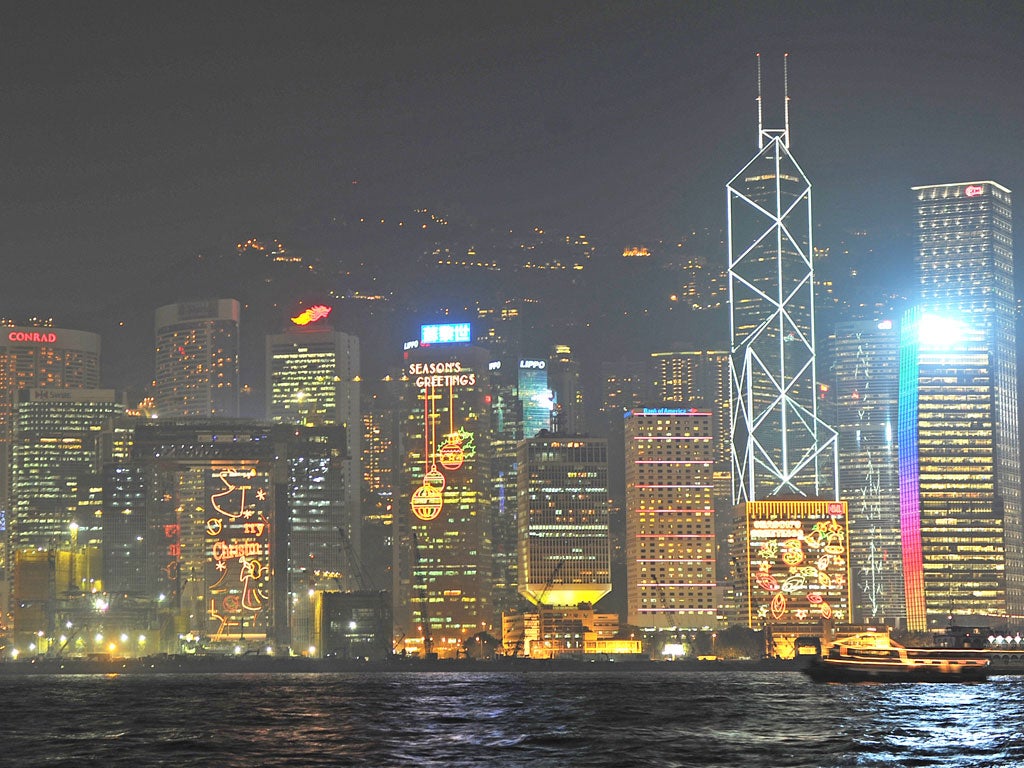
(451, 454)
(435, 478)
(427, 501)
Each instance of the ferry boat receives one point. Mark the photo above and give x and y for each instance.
(876, 657)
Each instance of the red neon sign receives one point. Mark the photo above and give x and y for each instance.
(42, 338)
(974, 190)
(312, 314)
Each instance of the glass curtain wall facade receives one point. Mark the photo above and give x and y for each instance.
(58, 448)
(864, 370)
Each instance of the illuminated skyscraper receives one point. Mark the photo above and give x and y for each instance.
(865, 375)
(670, 519)
(40, 356)
(197, 359)
(313, 379)
(959, 445)
(443, 555)
(564, 544)
(59, 446)
(536, 396)
(564, 379)
(779, 445)
(700, 379)
(380, 465)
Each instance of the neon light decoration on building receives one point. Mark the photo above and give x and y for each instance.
(312, 314)
(798, 555)
(445, 333)
(428, 498)
(238, 554)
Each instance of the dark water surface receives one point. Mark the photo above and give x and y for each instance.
(647, 718)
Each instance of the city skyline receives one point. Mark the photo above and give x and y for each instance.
(374, 338)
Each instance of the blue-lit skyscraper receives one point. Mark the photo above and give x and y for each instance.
(535, 396)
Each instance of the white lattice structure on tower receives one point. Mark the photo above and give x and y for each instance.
(779, 445)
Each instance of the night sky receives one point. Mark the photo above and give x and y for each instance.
(137, 132)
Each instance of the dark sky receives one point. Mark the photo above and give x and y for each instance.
(137, 130)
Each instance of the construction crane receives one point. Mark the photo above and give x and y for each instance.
(363, 581)
(540, 605)
(551, 580)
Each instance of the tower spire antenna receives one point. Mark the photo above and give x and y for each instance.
(785, 94)
(760, 114)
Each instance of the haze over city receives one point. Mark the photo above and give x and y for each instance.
(141, 142)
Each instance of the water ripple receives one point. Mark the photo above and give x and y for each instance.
(661, 719)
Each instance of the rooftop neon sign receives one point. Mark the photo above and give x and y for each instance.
(445, 333)
(974, 190)
(36, 336)
(312, 314)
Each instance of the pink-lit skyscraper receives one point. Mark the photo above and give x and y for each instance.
(959, 447)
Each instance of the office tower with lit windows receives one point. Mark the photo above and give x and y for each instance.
(40, 356)
(564, 380)
(670, 519)
(313, 379)
(700, 379)
(443, 539)
(779, 445)
(625, 385)
(697, 378)
(864, 372)
(380, 475)
(62, 437)
(564, 538)
(197, 359)
(959, 445)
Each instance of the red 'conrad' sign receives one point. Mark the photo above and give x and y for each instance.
(35, 336)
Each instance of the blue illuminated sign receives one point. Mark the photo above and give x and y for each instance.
(447, 333)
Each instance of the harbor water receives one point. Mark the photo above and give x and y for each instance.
(660, 717)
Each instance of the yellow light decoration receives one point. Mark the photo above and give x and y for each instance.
(427, 501)
(778, 605)
(435, 479)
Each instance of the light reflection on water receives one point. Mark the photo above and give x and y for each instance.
(657, 718)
